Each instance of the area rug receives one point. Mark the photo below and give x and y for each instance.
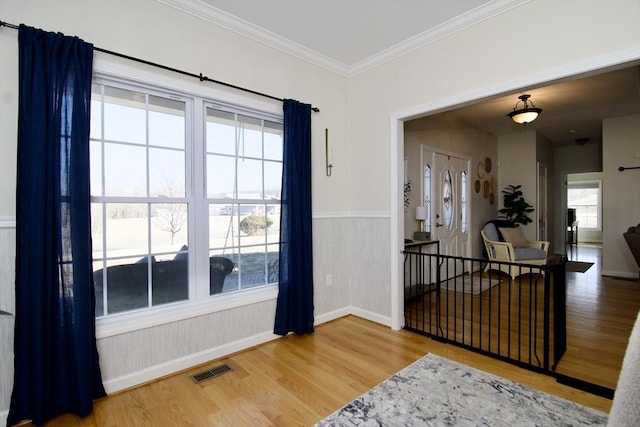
(469, 284)
(434, 391)
(578, 266)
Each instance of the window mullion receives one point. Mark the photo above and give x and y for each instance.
(199, 214)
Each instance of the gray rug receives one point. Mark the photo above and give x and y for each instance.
(434, 391)
(578, 266)
(469, 284)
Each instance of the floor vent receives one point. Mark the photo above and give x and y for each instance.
(211, 373)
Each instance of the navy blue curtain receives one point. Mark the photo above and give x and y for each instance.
(294, 312)
(55, 355)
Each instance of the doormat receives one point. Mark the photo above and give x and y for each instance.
(469, 284)
(578, 266)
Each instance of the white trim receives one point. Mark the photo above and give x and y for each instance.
(223, 19)
(187, 362)
(459, 23)
(396, 142)
(369, 315)
(216, 16)
(207, 356)
(622, 274)
(147, 318)
(7, 222)
(3, 417)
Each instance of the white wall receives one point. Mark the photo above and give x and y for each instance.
(621, 192)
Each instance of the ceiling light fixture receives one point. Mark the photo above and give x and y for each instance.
(527, 113)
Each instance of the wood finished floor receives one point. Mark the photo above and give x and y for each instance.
(298, 380)
(600, 315)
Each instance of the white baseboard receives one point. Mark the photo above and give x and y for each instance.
(623, 274)
(158, 371)
(171, 367)
(374, 317)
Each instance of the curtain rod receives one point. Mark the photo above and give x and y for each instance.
(199, 76)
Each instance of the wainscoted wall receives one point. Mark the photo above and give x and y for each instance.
(7, 303)
(352, 248)
(370, 293)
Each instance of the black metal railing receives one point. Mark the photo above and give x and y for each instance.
(514, 312)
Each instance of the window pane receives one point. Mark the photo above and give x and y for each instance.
(463, 202)
(125, 283)
(169, 228)
(447, 200)
(97, 227)
(166, 172)
(170, 280)
(272, 180)
(427, 195)
(220, 176)
(585, 202)
(124, 115)
(223, 226)
(127, 230)
(125, 170)
(221, 132)
(96, 112)
(273, 141)
(250, 137)
(273, 232)
(250, 179)
(95, 167)
(166, 122)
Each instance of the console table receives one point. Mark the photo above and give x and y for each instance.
(418, 284)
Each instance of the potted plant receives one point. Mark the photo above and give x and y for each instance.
(515, 207)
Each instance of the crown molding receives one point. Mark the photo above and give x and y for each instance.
(208, 13)
(454, 25)
(216, 16)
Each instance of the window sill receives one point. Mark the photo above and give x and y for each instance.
(134, 321)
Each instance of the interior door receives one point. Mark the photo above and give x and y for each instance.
(449, 210)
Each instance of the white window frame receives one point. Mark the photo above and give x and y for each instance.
(200, 302)
(591, 184)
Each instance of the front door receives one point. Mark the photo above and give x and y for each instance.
(449, 208)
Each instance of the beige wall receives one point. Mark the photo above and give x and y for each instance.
(621, 192)
(354, 210)
(517, 166)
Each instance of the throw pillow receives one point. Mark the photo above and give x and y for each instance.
(515, 237)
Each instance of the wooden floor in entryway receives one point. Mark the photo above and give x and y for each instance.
(600, 315)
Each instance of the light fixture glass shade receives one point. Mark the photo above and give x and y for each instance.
(524, 116)
(527, 113)
(421, 213)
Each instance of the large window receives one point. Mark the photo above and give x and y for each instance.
(154, 198)
(585, 198)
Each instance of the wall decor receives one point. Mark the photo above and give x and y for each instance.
(480, 170)
(478, 185)
(487, 164)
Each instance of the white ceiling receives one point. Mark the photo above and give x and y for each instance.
(350, 36)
